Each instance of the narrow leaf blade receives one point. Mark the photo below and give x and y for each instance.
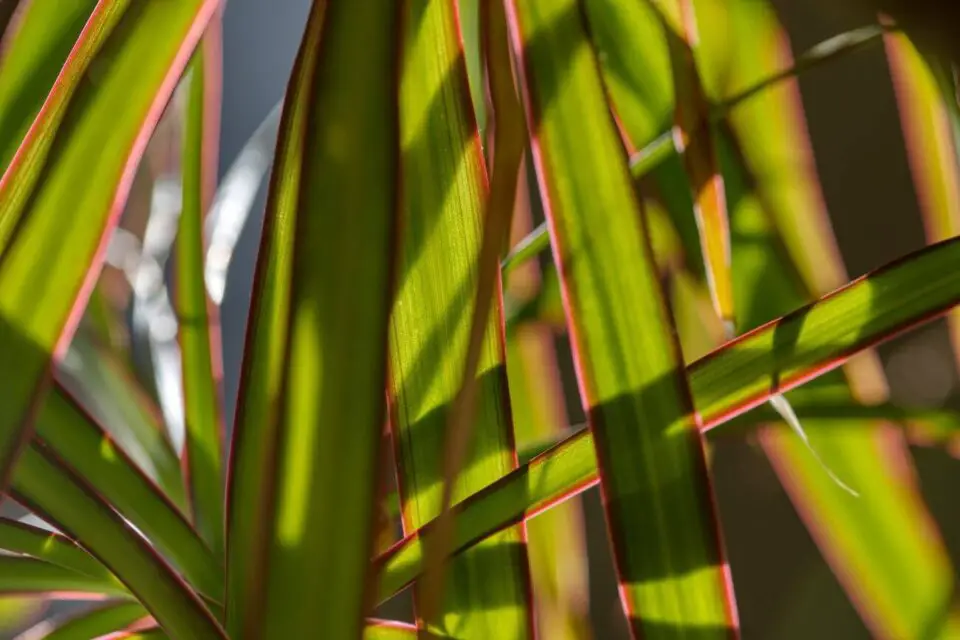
(752, 364)
(48, 267)
(444, 189)
(653, 471)
(43, 484)
(312, 411)
(199, 324)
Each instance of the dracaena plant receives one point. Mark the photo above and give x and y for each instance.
(400, 423)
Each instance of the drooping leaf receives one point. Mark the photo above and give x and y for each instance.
(77, 440)
(88, 133)
(737, 377)
(102, 384)
(444, 190)
(555, 540)
(97, 621)
(20, 575)
(631, 378)
(305, 450)
(50, 547)
(43, 484)
(199, 329)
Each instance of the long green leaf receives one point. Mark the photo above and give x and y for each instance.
(199, 324)
(33, 56)
(29, 575)
(696, 141)
(374, 630)
(931, 146)
(312, 403)
(98, 621)
(509, 134)
(659, 505)
(88, 133)
(737, 377)
(84, 447)
(444, 190)
(899, 581)
(103, 384)
(42, 483)
(50, 547)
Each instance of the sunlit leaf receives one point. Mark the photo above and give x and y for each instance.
(311, 412)
(444, 191)
(654, 477)
(28, 575)
(34, 54)
(737, 377)
(49, 266)
(198, 318)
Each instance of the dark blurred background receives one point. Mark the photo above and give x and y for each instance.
(784, 588)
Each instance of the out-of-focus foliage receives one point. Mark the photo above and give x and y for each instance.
(409, 374)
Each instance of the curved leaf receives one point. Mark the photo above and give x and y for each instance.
(108, 96)
(47, 488)
(658, 500)
(736, 377)
(50, 547)
(84, 447)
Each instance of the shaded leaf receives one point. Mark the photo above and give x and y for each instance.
(311, 414)
(199, 330)
(653, 472)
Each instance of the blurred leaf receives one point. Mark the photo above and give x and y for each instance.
(653, 477)
(311, 408)
(16, 612)
(695, 137)
(742, 374)
(444, 190)
(234, 201)
(20, 575)
(931, 151)
(91, 131)
(641, 163)
(33, 56)
(43, 484)
(198, 317)
(105, 387)
(79, 442)
(389, 630)
(97, 621)
(556, 548)
(899, 581)
(50, 547)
